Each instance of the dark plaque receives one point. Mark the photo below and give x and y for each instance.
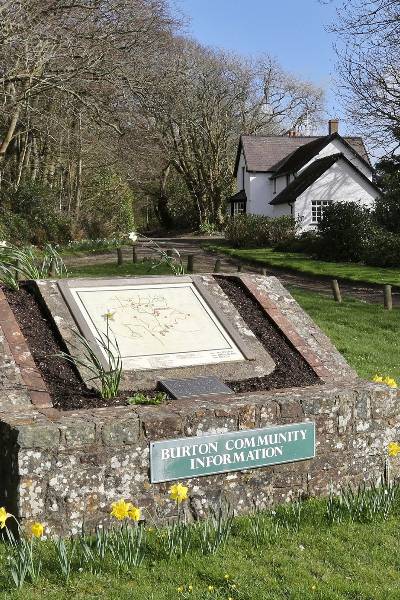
(199, 386)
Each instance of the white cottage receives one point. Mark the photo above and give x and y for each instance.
(300, 175)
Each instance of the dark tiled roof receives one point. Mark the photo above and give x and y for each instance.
(266, 153)
(311, 174)
(238, 197)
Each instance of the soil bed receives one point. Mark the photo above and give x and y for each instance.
(70, 393)
(291, 369)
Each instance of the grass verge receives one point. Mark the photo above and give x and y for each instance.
(301, 263)
(317, 560)
(111, 269)
(366, 334)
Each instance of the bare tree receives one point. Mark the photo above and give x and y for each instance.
(205, 100)
(368, 52)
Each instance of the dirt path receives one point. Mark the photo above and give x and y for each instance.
(204, 263)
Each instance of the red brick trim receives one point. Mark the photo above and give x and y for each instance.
(276, 315)
(30, 374)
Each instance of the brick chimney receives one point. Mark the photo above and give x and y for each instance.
(333, 126)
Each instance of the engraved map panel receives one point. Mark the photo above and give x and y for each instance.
(157, 325)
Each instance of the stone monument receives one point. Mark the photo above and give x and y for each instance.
(261, 407)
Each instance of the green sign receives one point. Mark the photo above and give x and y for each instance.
(185, 458)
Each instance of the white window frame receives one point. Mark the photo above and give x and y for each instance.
(239, 207)
(317, 210)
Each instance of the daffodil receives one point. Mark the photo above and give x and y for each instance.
(121, 509)
(108, 316)
(393, 449)
(226, 576)
(4, 515)
(190, 588)
(210, 588)
(133, 236)
(180, 589)
(178, 492)
(37, 530)
(389, 381)
(135, 513)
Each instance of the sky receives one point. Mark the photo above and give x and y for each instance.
(292, 31)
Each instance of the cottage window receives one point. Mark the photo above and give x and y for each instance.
(238, 208)
(317, 210)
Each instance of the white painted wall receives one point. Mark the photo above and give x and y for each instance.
(339, 184)
(335, 147)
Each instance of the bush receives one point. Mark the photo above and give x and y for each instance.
(387, 211)
(246, 231)
(383, 249)
(307, 242)
(30, 214)
(344, 232)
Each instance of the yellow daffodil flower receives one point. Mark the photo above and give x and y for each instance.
(393, 449)
(4, 515)
(210, 588)
(226, 576)
(37, 530)
(389, 381)
(190, 588)
(178, 492)
(135, 513)
(120, 509)
(180, 589)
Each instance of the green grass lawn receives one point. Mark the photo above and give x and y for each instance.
(366, 334)
(111, 269)
(348, 561)
(295, 261)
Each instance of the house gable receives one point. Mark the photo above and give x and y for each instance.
(313, 172)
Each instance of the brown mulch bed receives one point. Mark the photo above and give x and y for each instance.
(70, 393)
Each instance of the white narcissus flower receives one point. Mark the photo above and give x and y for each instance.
(133, 236)
(3, 244)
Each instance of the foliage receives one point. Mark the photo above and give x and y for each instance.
(90, 246)
(31, 214)
(344, 232)
(146, 400)
(364, 504)
(85, 357)
(27, 263)
(383, 248)
(245, 231)
(216, 530)
(107, 206)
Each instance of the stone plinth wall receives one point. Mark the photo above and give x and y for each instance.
(65, 468)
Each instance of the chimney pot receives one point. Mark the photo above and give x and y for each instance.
(333, 126)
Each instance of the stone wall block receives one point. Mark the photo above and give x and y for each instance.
(121, 432)
(291, 409)
(78, 432)
(270, 414)
(38, 435)
(247, 417)
(159, 425)
(385, 402)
